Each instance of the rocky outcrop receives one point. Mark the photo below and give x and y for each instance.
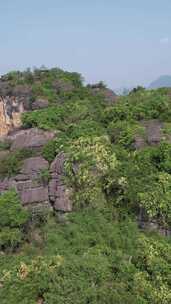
(29, 184)
(59, 194)
(152, 224)
(34, 165)
(107, 94)
(153, 134)
(153, 131)
(34, 191)
(40, 104)
(13, 101)
(10, 114)
(61, 86)
(30, 139)
(154, 227)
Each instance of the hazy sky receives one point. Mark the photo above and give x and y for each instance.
(123, 42)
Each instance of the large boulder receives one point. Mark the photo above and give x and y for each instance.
(30, 139)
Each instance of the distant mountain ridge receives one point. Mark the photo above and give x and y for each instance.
(162, 81)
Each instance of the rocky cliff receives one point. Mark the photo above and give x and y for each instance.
(10, 114)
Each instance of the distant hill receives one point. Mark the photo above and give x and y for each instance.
(162, 81)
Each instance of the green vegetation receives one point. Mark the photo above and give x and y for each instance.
(96, 258)
(96, 254)
(4, 145)
(11, 164)
(13, 217)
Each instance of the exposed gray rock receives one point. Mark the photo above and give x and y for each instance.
(149, 224)
(153, 134)
(30, 139)
(34, 165)
(57, 165)
(139, 142)
(34, 192)
(63, 199)
(21, 177)
(154, 131)
(29, 184)
(108, 95)
(59, 194)
(40, 104)
(36, 195)
(5, 88)
(21, 90)
(63, 86)
(24, 185)
(154, 226)
(4, 185)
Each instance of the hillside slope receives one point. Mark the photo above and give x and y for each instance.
(85, 184)
(162, 82)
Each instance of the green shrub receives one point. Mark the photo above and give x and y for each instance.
(94, 159)
(91, 260)
(44, 176)
(123, 132)
(12, 163)
(49, 150)
(157, 198)
(140, 105)
(12, 219)
(4, 145)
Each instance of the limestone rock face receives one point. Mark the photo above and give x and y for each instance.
(13, 101)
(10, 114)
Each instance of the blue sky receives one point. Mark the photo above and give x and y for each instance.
(122, 42)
